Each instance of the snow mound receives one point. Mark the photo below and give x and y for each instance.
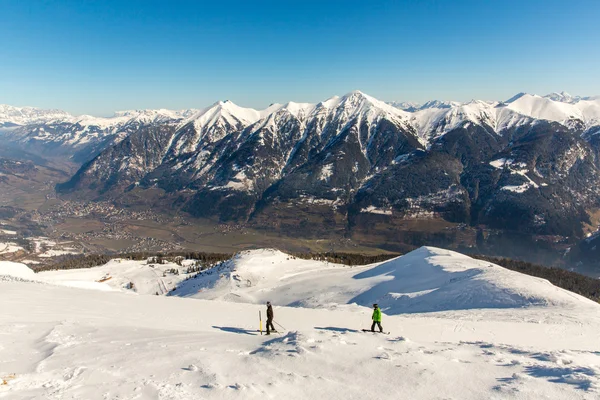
(257, 276)
(10, 271)
(16, 270)
(426, 280)
(431, 279)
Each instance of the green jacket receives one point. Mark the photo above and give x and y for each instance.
(377, 315)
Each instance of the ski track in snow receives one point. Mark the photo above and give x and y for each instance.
(61, 342)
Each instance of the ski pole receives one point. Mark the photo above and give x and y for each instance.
(278, 324)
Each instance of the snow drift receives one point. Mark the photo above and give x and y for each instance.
(432, 279)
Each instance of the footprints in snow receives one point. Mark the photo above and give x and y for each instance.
(554, 366)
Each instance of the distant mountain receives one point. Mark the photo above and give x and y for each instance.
(351, 166)
(562, 97)
(354, 164)
(56, 133)
(11, 117)
(405, 105)
(439, 104)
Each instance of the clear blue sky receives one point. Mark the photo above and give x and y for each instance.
(100, 56)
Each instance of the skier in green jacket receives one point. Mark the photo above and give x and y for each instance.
(376, 318)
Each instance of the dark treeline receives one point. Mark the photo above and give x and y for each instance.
(571, 281)
(74, 262)
(345, 258)
(95, 260)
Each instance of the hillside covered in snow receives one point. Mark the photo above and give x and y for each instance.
(460, 328)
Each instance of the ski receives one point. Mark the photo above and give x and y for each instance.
(368, 330)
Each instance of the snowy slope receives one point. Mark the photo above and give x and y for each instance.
(147, 278)
(82, 137)
(426, 280)
(85, 128)
(59, 343)
(563, 97)
(16, 270)
(435, 118)
(405, 105)
(440, 104)
(433, 122)
(587, 111)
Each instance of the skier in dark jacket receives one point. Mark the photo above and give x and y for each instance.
(270, 326)
(376, 318)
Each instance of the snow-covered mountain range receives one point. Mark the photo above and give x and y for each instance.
(529, 164)
(16, 116)
(54, 132)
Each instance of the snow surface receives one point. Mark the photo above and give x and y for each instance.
(55, 253)
(588, 111)
(59, 342)
(147, 278)
(425, 280)
(16, 270)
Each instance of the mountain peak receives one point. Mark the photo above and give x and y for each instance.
(354, 93)
(515, 97)
(562, 97)
(408, 106)
(224, 110)
(439, 104)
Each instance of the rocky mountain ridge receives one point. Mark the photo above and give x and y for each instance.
(356, 166)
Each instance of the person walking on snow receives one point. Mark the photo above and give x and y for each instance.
(376, 318)
(270, 326)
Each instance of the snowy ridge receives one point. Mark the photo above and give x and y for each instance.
(408, 106)
(80, 132)
(278, 131)
(431, 120)
(426, 280)
(436, 117)
(357, 103)
(440, 104)
(14, 116)
(432, 123)
(210, 125)
(587, 111)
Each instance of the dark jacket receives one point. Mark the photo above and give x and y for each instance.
(269, 312)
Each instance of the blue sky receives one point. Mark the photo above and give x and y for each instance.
(96, 57)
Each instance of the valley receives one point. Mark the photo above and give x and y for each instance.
(354, 174)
